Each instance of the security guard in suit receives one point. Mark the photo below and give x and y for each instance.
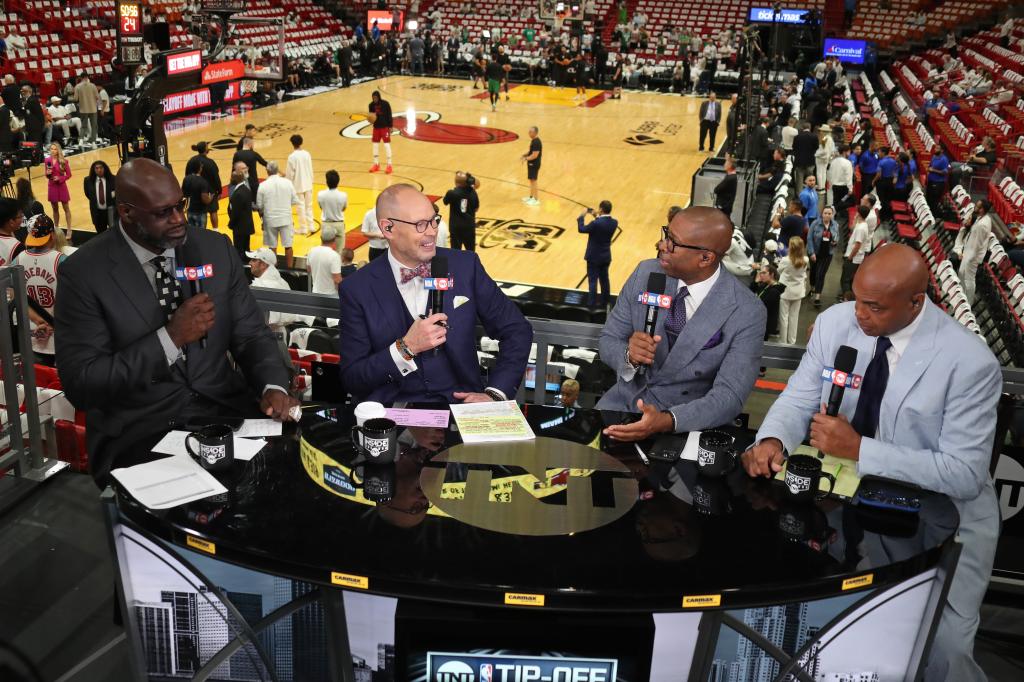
(925, 413)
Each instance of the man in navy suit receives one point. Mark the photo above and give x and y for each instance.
(710, 116)
(599, 233)
(391, 351)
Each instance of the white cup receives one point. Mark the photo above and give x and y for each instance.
(369, 410)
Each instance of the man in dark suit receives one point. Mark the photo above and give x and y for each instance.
(805, 144)
(124, 328)
(240, 214)
(250, 157)
(99, 190)
(725, 191)
(8, 137)
(35, 120)
(600, 233)
(710, 116)
(392, 351)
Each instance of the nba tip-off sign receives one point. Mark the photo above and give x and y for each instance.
(522, 512)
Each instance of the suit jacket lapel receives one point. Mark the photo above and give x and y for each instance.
(714, 310)
(912, 364)
(127, 272)
(385, 289)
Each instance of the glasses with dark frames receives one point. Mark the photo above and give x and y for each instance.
(666, 236)
(161, 213)
(420, 225)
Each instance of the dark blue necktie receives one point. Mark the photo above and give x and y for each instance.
(872, 389)
(676, 319)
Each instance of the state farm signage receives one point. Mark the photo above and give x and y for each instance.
(223, 71)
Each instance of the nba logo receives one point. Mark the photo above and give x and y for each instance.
(486, 672)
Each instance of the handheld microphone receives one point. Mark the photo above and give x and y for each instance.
(846, 358)
(655, 285)
(438, 270)
(195, 275)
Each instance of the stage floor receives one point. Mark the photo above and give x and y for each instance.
(639, 152)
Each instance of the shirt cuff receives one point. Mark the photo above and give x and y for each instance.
(404, 366)
(273, 387)
(171, 351)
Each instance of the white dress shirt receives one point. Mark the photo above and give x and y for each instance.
(696, 295)
(840, 172)
(274, 201)
(900, 340)
(372, 230)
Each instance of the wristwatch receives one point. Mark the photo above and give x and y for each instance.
(630, 362)
(495, 396)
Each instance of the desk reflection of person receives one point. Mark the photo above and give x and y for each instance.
(391, 351)
(924, 413)
(703, 357)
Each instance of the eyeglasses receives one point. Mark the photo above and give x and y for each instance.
(161, 213)
(421, 225)
(666, 236)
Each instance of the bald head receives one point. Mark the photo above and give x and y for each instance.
(143, 182)
(889, 289)
(706, 226)
(391, 201)
(898, 267)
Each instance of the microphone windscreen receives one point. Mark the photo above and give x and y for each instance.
(439, 266)
(846, 358)
(656, 282)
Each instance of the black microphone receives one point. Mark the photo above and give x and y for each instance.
(438, 270)
(195, 285)
(846, 359)
(655, 285)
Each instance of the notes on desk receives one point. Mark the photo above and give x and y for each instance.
(845, 471)
(491, 422)
(174, 444)
(437, 419)
(690, 448)
(259, 428)
(168, 482)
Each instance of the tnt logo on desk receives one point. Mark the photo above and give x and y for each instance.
(652, 299)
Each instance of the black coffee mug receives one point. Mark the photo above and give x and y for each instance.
(377, 440)
(716, 455)
(216, 448)
(803, 474)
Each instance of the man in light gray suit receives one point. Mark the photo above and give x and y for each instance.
(702, 360)
(925, 413)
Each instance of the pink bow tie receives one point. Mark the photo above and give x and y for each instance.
(408, 274)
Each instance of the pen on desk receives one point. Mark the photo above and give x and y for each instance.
(640, 452)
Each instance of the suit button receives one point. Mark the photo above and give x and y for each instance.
(153, 380)
(697, 373)
(194, 395)
(686, 393)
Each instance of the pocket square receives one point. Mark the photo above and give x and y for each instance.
(714, 340)
(459, 300)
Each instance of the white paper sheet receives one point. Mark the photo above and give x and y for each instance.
(168, 482)
(174, 444)
(489, 422)
(258, 428)
(690, 449)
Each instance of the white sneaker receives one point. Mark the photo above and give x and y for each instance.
(533, 202)
(527, 200)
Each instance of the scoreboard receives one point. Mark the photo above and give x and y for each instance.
(129, 33)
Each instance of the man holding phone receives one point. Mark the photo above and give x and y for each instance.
(600, 232)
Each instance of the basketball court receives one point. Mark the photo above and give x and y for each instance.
(639, 152)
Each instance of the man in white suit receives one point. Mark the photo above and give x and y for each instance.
(925, 413)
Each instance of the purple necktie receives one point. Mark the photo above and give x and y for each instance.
(408, 274)
(676, 319)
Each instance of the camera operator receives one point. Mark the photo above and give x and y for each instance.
(600, 232)
(463, 202)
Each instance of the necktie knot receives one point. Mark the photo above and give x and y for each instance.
(882, 345)
(408, 274)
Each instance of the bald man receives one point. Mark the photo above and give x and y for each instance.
(698, 367)
(128, 334)
(392, 351)
(925, 413)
